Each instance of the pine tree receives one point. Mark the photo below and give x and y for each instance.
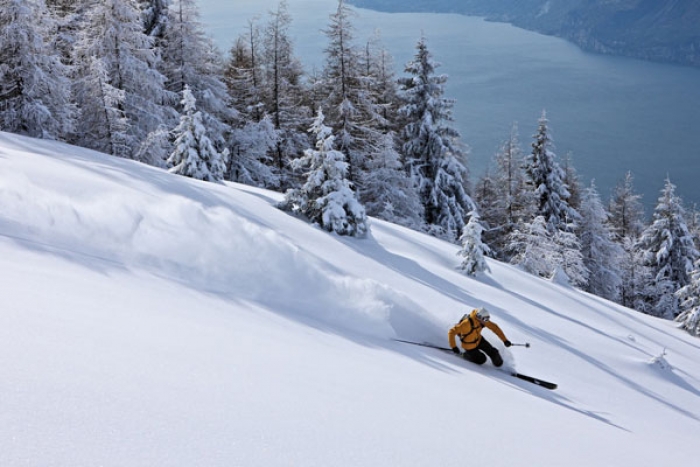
(473, 249)
(546, 178)
(431, 147)
(601, 255)
(669, 251)
(35, 95)
(327, 197)
(194, 155)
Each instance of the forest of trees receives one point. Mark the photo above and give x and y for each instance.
(140, 79)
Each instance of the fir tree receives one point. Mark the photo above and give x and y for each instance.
(194, 155)
(473, 249)
(327, 197)
(431, 147)
(669, 251)
(35, 95)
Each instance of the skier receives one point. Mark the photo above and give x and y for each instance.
(475, 346)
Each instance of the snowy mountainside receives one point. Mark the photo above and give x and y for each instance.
(149, 319)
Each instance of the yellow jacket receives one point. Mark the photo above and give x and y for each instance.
(469, 332)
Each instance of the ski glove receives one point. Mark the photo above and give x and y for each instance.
(456, 350)
(507, 343)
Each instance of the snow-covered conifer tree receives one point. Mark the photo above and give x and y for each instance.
(502, 195)
(627, 223)
(379, 81)
(250, 160)
(387, 192)
(669, 251)
(282, 92)
(473, 250)
(327, 197)
(120, 93)
(35, 95)
(547, 180)
(531, 247)
(689, 297)
(243, 74)
(637, 279)
(601, 254)
(626, 211)
(432, 148)
(155, 17)
(194, 155)
(348, 102)
(486, 197)
(572, 181)
(190, 59)
(568, 258)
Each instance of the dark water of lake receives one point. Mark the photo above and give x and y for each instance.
(613, 114)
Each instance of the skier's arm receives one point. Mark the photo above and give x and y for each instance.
(451, 337)
(496, 330)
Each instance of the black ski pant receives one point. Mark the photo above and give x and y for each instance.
(478, 355)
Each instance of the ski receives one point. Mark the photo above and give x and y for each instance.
(530, 379)
(537, 381)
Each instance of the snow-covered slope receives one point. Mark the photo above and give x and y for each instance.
(152, 320)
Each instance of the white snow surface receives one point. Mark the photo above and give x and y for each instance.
(148, 319)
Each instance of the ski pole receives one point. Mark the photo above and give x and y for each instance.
(526, 344)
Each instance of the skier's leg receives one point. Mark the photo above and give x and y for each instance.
(491, 351)
(475, 356)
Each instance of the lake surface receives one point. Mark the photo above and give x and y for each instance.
(613, 114)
